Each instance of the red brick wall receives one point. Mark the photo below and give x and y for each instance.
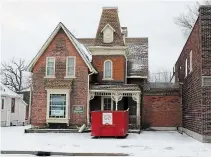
(60, 48)
(118, 67)
(205, 23)
(191, 87)
(162, 111)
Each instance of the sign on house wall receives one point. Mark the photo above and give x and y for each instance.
(78, 109)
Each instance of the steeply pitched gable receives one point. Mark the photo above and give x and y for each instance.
(82, 50)
(109, 17)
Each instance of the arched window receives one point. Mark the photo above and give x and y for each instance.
(107, 74)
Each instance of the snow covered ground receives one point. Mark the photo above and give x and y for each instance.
(146, 144)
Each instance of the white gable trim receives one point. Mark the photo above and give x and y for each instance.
(71, 38)
(106, 27)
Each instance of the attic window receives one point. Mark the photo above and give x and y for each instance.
(108, 34)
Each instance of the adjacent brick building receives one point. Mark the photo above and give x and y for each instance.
(193, 72)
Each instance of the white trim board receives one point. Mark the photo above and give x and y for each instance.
(71, 38)
(108, 25)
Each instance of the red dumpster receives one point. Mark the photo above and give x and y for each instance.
(109, 123)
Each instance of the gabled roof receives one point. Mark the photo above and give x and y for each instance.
(109, 27)
(82, 50)
(5, 91)
(109, 16)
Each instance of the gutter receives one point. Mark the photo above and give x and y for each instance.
(88, 105)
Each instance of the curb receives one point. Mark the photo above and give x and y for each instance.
(43, 153)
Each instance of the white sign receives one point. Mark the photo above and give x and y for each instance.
(57, 112)
(107, 118)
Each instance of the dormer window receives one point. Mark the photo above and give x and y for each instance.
(108, 34)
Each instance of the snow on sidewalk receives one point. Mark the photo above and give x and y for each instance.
(146, 144)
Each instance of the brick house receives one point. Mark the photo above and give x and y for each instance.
(193, 72)
(73, 76)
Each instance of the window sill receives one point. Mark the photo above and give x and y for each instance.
(49, 77)
(57, 120)
(107, 79)
(69, 77)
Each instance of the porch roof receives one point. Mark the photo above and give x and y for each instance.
(119, 87)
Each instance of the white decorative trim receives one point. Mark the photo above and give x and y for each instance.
(116, 96)
(104, 70)
(71, 38)
(70, 76)
(111, 91)
(108, 25)
(46, 66)
(91, 95)
(58, 91)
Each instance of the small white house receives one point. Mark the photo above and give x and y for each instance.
(13, 108)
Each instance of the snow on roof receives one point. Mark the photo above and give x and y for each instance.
(5, 91)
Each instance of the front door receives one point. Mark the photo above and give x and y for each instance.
(106, 103)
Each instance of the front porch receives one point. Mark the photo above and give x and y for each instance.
(117, 97)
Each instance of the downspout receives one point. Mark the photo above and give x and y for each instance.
(87, 110)
(141, 108)
(30, 103)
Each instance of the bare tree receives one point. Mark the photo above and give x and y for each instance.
(12, 75)
(187, 20)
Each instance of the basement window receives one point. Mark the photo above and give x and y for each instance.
(206, 80)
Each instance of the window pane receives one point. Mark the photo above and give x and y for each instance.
(2, 103)
(70, 66)
(70, 62)
(50, 64)
(108, 70)
(57, 105)
(12, 105)
(50, 70)
(50, 60)
(107, 103)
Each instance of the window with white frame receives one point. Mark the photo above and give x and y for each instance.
(108, 68)
(50, 66)
(70, 66)
(186, 67)
(57, 106)
(191, 61)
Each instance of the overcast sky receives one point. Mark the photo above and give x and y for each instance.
(27, 24)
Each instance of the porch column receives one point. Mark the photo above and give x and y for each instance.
(116, 96)
(91, 96)
(136, 97)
